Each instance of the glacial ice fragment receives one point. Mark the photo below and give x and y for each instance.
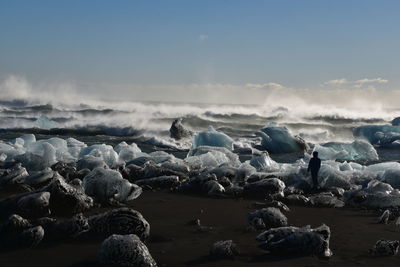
(277, 139)
(211, 137)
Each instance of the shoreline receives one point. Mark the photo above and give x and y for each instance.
(174, 242)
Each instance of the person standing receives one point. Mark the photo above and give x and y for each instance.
(314, 165)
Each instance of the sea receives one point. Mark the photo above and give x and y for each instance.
(148, 123)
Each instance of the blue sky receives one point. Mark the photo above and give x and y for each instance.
(297, 44)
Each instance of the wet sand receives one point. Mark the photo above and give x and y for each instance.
(174, 242)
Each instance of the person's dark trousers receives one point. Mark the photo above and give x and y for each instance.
(314, 177)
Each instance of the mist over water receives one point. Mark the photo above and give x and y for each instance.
(318, 116)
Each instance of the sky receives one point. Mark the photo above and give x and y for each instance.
(207, 51)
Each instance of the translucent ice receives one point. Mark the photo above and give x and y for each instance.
(277, 139)
(357, 150)
(209, 156)
(128, 152)
(264, 163)
(103, 151)
(378, 134)
(45, 123)
(75, 147)
(211, 137)
(60, 146)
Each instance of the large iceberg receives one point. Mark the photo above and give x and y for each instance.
(278, 139)
(211, 137)
(357, 150)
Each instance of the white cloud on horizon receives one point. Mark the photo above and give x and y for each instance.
(270, 85)
(356, 83)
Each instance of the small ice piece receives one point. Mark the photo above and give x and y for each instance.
(44, 122)
(264, 188)
(211, 137)
(384, 218)
(125, 250)
(103, 151)
(224, 249)
(293, 240)
(120, 221)
(108, 186)
(277, 139)
(272, 217)
(385, 248)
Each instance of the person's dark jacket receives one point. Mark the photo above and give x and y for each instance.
(314, 165)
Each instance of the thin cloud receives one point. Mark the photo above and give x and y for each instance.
(266, 86)
(203, 37)
(357, 83)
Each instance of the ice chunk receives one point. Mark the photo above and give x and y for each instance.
(211, 137)
(329, 176)
(127, 152)
(28, 139)
(381, 167)
(264, 163)
(108, 186)
(396, 121)
(103, 151)
(75, 147)
(293, 240)
(39, 157)
(90, 162)
(45, 123)
(10, 150)
(264, 188)
(125, 250)
(162, 156)
(392, 177)
(211, 157)
(378, 134)
(277, 139)
(357, 150)
(60, 146)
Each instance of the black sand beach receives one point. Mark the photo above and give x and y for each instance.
(174, 242)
